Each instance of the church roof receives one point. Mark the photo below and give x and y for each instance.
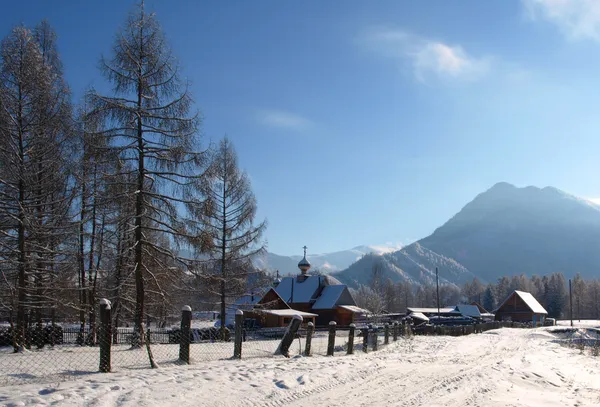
(295, 290)
(333, 295)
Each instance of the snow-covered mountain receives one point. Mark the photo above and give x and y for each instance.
(325, 262)
(505, 230)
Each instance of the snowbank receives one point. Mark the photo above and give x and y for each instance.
(520, 367)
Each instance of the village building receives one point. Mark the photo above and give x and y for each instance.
(521, 306)
(448, 315)
(317, 298)
(272, 311)
(485, 314)
(431, 312)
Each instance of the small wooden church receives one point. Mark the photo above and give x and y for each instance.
(521, 306)
(320, 299)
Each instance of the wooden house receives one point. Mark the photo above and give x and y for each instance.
(272, 311)
(322, 296)
(521, 306)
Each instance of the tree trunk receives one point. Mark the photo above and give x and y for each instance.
(223, 254)
(22, 297)
(82, 286)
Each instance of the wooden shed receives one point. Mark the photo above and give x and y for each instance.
(521, 306)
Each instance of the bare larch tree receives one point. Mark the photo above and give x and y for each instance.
(35, 133)
(152, 131)
(228, 223)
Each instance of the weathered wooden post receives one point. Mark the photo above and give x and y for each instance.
(395, 331)
(374, 339)
(239, 326)
(184, 340)
(288, 337)
(351, 339)
(365, 334)
(386, 333)
(310, 328)
(153, 364)
(331, 339)
(105, 335)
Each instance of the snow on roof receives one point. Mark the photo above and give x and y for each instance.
(288, 313)
(333, 295)
(354, 308)
(302, 291)
(446, 310)
(418, 315)
(468, 310)
(531, 302)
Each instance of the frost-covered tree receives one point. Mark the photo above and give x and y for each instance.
(35, 134)
(472, 291)
(578, 292)
(368, 299)
(153, 130)
(503, 288)
(593, 295)
(404, 295)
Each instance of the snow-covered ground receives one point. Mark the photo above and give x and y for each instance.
(505, 367)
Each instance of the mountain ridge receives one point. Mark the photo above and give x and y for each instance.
(504, 230)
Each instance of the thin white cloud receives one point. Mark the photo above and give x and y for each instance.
(576, 19)
(282, 119)
(594, 200)
(427, 57)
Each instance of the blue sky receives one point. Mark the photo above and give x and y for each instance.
(372, 123)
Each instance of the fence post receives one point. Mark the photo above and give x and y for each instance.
(374, 339)
(184, 340)
(239, 322)
(331, 340)
(395, 331)
(288, 338)
(351, 339)
(386, 332)
(309, 333)
(105, 335)
(365, 334)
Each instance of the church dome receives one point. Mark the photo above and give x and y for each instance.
(303, 264)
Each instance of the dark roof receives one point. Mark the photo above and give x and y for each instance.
(334, 295)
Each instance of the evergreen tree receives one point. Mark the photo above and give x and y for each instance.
(489, 298)
(557, 296)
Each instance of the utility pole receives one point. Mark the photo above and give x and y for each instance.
(437, 288)
(571, 302)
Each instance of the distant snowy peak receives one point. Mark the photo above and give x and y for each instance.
(324, 262)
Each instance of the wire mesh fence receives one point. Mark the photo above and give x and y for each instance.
(62, 350)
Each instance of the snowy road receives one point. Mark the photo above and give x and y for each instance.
(506, 367)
